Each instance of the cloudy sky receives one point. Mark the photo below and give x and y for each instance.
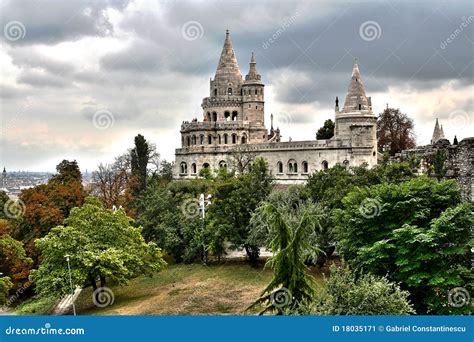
(79, 79)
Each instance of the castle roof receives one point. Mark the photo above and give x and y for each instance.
(228, 68)
(253, 73)
(356, 98)
(438, 133)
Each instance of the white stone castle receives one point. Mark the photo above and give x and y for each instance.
(233, 125)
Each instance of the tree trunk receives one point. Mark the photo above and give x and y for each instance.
(92, 280)
(253, 253)
(102, 281)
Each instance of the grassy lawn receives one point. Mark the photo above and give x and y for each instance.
(225, 289)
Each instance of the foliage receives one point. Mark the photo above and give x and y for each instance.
(15, 263)
(417, 232)
(327, 131)
(395, 131)
(291, 248)
(348, 293)
(234, 202)
(3, 199)
(170, 217)
(5, 286)
(101, 244)
(47, 205)
(439, 166)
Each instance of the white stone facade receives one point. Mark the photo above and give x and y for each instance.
(233, 118)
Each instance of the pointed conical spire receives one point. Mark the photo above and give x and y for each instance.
(228, 67)
(355, 98)
(253, 74)
(442, 132)
(437, 133)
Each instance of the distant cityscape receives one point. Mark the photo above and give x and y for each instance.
(13, 182)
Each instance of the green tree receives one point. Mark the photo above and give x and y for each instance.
(234, 202)
(348, 293)
(3, 199)
(101, 244)
(327, 131)
(5, 286)
(417, 232)
(67, 172)
(14, 262)
(439, 162)
(291, 287)
(139, 158)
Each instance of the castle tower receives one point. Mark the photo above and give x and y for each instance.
(356, 125)
(438, 133)
(252, 96)
(224, 102)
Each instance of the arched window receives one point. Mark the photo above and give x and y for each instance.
(214, 116)
(360, 106)
(215, 92)
(183, 168)
(205, 165)
(193, 168)
(209, 139)
(201, 139)
(225, 138)
(345, 163)
(188, 140)
(244, 139)
(234, 138)
(234, 115)
(292, 166)
(229, 91)
(305, 167)
(194, 140)
(325, 165)
(223, 164)
(280, 167)
(226, 115)
(219, 137)
(208, 116)
(256, 91)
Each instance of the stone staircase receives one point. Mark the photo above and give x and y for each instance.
(64, 306)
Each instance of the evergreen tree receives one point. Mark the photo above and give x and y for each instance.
(327, 131)
(140, 155)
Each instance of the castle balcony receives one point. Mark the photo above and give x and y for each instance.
(214, 125)
(222, 101)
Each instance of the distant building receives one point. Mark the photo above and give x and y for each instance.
(233, 120)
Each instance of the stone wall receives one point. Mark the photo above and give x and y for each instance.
(459, 162)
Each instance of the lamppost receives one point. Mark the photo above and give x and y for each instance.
(202, 206)
(70, 283)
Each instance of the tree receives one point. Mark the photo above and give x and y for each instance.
(139, 161)
(395, 131)
(291, 286)
(327, 131)
(5, 286)
(349, 293)
(439, 162)
(112, 183)
(234, 202)
(15, 264)
(47, 205)
(3, 199)
(416, 232)
(241, 158)
(67, 172)
(102, 244)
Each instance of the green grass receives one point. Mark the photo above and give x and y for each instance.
(226, 289)
(35, 306)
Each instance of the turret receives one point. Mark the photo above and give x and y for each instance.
(253, 96)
